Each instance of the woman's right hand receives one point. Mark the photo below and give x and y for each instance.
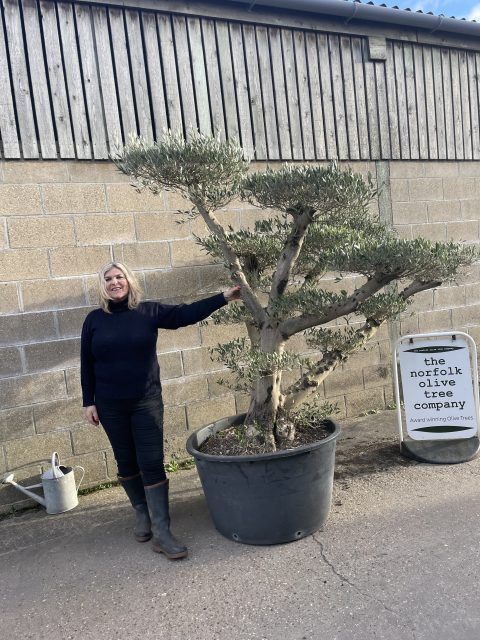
(91, 415)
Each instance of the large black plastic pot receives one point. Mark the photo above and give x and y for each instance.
(269, 498)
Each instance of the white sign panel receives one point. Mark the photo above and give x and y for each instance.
(437, 389)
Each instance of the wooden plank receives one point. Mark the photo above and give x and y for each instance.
(474, 81)
(41, 98)
(185, 74)
(228, 80)
(91, 82)
(304, 95)
(107, 79)
(122, 69)
(199, 75)
(241, 89)
(439, 103)
(411, 101)
(457, 104)
(8, 125)
(267, 93)
(448, 102)
(139, 76)
(78, 110)
(372, 106)
(350, 98)
(316, 94)
(383, 123)
(430, 105)
(421, 101)
(155, 74)
(338, 98)
(466, 106)
(21, 86)
(280, 93)
(392, 103)
(327, 95)
(401, 101)
(174, 106)
(213, 75)
(292, 94)
(253, 75)
(358, 69)
(61, 112)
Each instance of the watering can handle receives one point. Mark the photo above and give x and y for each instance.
(83, 474)
(55, 464)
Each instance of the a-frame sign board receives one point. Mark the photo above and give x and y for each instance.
(439, 380)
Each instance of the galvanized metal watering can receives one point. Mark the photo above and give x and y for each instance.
(59, 488)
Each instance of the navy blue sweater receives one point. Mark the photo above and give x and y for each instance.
(118, 349)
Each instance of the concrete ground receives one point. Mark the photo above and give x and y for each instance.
(398, 559)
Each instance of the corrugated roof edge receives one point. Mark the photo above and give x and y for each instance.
(357, 10)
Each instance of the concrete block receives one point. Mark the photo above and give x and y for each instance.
(399, 169)
(20, 328)
(10, 362)
(4, 243)
(448, 297)
(53, 294)
(170, 365)
(409, 212)
(11, 498)
(26, 390)
(70, 321)
(470, 209)
(422, 301)
(94, 172)
(186, 253)
(213, 278)
(363, 401)
(175, 201)
(175, 433)
(9, 302)
(436, 321)
(111, 464)
(199, 361)
(404, 231)
(87, 438)
(95, 468)
(436, 232)
(183, 390)
(342, 381)
(37, 448)
(183, 338)
(472, 293)
(20, 200)
(460, 188)
(160, 227)
(74, 198)
(104, 229)
(409, 325)
(465, 316)
(34, 172)
(248, 217)
(444, 211)
(463, 231)
(16, 423)
(215, 334)
(24, 264)
(425, 189)
(443, 169)
(36, 231)
(377, 376)
(144, 255)
(227, 218)
(78, 261)
(57, 415)
(203, 413)
(123, 197)
(369, 355)
(178, 284)
(216, 389)
(399, 190)
(59, 354)
(72, 377)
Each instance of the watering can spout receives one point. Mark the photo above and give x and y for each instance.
(9, 480)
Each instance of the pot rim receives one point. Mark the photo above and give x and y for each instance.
(285, 453)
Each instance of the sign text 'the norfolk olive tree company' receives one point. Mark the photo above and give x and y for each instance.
(437, 389)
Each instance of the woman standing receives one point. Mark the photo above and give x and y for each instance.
(121, 389)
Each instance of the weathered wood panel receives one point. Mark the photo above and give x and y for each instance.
(78, 79)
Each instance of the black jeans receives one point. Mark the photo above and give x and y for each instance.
(135, 431)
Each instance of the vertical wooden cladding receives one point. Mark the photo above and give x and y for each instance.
(78, 79)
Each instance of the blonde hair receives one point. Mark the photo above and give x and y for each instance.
(134, 289)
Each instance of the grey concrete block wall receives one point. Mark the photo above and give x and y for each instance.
(61, 221)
